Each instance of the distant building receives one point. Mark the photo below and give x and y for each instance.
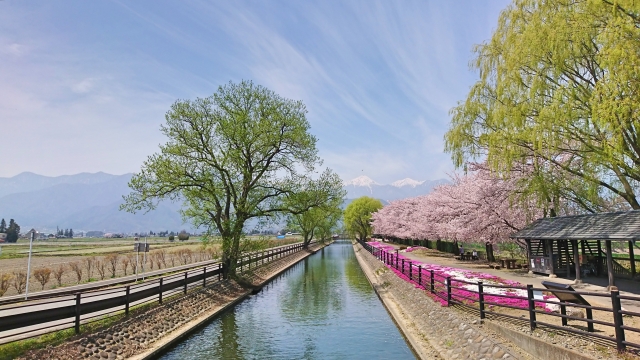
(3, 237)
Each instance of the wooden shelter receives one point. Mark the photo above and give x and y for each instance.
(573, 244)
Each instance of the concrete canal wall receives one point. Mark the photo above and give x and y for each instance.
(432, 330)
(147, 334)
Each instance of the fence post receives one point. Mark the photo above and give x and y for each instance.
(481, 299)
(185, 282)
(532, 307)
(617, 320)
(160, 293)
(126, 299)
(77, 325)
(563, 311)
(410, 271)
(204, 277)
(448, 290)
(402, 271)
(420, 275)
(219, 271)
(432, 287)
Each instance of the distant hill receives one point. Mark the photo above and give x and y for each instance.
(83, 201)
(401, 189)
(90, 201)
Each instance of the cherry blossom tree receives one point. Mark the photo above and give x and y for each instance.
(478, 206)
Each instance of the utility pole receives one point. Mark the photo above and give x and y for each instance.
(26, 294)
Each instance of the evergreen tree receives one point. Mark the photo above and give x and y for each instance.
(71, 233)
(3, 226)
(13, 231)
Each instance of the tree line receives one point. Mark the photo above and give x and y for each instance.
(12, 231)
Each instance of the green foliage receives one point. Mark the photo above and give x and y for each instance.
(231, 157)
(3, 226)
(13, 232)
(357, 216)
(558, 94)
(315, 210)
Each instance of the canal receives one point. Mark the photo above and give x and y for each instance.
(321, 308)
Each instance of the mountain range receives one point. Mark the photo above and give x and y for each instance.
(90, 201)
(401, 189)
(86, 201)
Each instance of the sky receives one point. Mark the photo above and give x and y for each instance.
(84, 85)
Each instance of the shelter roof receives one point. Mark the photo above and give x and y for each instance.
(623, 225)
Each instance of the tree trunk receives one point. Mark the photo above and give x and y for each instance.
(489, 248)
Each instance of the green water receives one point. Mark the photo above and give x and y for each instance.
(321, 308)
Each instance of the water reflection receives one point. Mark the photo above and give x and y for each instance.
(322, 308)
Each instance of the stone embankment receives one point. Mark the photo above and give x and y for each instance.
(149, 332)
(432, 330)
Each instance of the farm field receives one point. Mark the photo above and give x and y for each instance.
(76, 261)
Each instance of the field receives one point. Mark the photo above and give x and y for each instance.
(79, 261)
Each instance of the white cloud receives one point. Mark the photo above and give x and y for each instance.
(16, 49)
(83, 86)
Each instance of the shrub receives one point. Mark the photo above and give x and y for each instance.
(101, 266)
(113, 260)
(89, 264)
(76, 268)
(125, 264)
(183, 236)
(19, 281)
(42, 275)
(5, 282)
(59, 272)
(171, 238)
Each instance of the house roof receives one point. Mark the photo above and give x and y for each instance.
(604, 226)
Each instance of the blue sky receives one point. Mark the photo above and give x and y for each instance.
(84, 85)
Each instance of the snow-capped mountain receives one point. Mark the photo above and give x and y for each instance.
(401, 189)
(361, 181)
(407, 182)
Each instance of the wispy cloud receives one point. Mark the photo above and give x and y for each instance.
(378, 77)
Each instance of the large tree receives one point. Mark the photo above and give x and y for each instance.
(559, 91)
(317, 207)
(3, 226)
(13, 231)
(357, 216)
(230, 157)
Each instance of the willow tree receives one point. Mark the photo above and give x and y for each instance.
(357, 216)
(559, 90)
(230, 157)
(316, 208)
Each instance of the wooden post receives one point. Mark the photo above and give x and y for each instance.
(528, 241)
(160, 292)
(481, 300)
(600, 271)
(617, 316)
(532, 307)
(552, 271)
(126, 298)
(77, 322)
(576, 260)
(632, 260)
(612, 280)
